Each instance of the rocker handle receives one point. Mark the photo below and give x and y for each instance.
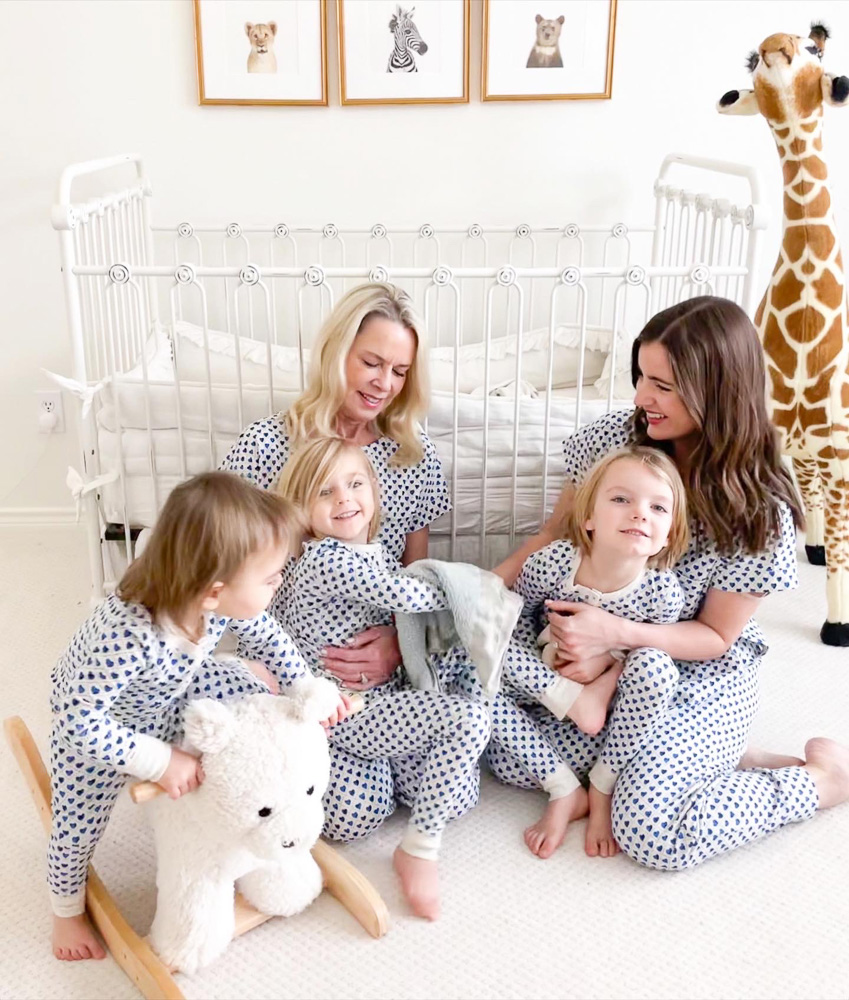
(144, 791)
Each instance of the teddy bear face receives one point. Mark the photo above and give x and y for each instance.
(264, 776)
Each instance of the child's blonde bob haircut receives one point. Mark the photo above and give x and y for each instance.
(207, 529)
(309, 468)
(314, 413)
(661, 466)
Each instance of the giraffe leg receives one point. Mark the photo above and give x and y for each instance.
(810, 486)
(835, 474)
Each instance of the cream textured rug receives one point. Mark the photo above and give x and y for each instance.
(768, 921)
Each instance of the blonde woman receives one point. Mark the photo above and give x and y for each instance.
(368, 385)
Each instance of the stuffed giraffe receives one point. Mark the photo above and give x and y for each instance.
(802, 318)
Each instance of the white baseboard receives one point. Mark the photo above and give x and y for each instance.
(37, 515)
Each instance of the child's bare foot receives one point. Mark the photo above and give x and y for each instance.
(546, 835)
(600, 842)
(420, 883)
(755, 757)
(828, 764)
(74, 939)
(589, 709)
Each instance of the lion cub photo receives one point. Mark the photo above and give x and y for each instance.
(546, 52)
(261, 37)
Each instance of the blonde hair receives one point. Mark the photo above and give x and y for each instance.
(309, 468)
(314, 413)
(659, 465)
(207, 529)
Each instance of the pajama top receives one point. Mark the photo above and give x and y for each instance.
(122, 673)
(339, 590)
(702, 567)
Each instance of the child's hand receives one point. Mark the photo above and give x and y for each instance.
(343, 710)
(183, 774)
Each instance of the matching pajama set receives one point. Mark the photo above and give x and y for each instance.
(117, 700)
(679, 800)
(645, 692)
(412, 497)
(339, 590)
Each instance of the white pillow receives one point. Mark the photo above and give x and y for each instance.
(502, 360)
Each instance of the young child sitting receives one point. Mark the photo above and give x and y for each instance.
(343, 583)
(213, 561)
(628, 524)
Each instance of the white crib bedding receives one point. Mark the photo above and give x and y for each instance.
(156, 460)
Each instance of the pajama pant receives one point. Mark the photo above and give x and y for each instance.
(441, 737)
(84, 790)
(679, 800)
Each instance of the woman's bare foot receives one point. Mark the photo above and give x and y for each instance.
(546, 835)
(600, 842)
(755, 757)
(419, 882)
(74, 939)
(589, 709)
(828, 764)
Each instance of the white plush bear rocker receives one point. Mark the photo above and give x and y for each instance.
(250, 824)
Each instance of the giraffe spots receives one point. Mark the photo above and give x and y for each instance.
(818, 239)
(818, 143)
(812, 417)
(810, 126)
(817, 392)
(784, 419)
(815, 209)
(829, 290)
(804, 324)
(781, 393)
(828, 348)
(782, 133)
(798, 146)
(787, 291)
(790, 168)
(844, 395)
(808, 267)
(777, 349)
(815, 166)
(803, 188)
(759, 315)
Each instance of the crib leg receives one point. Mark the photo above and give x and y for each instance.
(131, 952)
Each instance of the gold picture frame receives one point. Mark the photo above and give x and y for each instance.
(353, 87)
(220, 77)
(554, 71)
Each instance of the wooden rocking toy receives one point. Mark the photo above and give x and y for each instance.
(129, 949)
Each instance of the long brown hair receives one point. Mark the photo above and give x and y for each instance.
(735, 481)
(207, 529)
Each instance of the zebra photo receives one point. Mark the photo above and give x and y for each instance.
(406, 41)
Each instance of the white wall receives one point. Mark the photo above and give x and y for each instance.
(111, 76)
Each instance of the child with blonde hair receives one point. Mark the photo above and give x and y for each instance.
(627, 526)
(213, 562)
(343, 583)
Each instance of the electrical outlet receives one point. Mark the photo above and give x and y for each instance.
(50, 413)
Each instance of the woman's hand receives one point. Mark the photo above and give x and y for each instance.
(369, 659)
(582, 631)
(585, 671)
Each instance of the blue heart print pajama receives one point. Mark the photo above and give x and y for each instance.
(339, 590)
(412, 497)
(679, 800)
(117, 700)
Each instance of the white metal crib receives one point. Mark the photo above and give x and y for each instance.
(183, 334)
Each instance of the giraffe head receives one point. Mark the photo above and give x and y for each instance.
(788, 80)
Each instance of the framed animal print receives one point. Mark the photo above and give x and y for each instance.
(261, 51)
(403, 51)
(548, 50)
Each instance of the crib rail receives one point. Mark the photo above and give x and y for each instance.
(183, 334)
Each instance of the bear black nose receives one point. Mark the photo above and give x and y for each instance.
(288, 843)
(265, 811)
